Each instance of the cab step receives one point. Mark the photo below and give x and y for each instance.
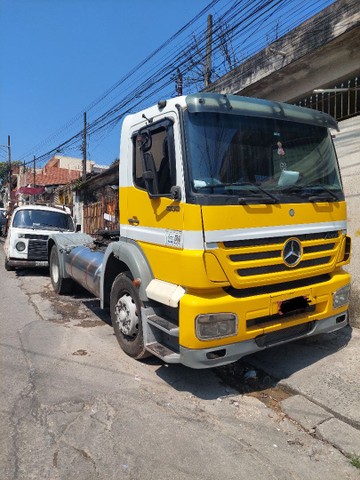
(163, 352)
(164, 325)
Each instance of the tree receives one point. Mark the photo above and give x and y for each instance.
(4, 170)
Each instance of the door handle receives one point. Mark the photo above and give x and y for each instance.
(134, 221)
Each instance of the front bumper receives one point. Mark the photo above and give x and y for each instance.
(213, 357)
(27, 263)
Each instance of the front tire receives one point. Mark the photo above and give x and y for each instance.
(60, 285)
(125, 309)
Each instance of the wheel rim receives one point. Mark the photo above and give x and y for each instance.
(126, 316)
(55, 271)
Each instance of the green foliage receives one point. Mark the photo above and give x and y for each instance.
(4, 170)
(76, 184)
(355, 461)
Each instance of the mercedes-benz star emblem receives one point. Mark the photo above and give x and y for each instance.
(292, 252)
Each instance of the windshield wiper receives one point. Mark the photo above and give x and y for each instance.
(275, 199)
(326, 195)
(304, 190)
(243, 200)
(322, 187)
(256, 199)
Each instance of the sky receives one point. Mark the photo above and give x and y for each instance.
(59, 56)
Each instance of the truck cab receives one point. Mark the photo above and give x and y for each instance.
(257, 230)
(232, 231)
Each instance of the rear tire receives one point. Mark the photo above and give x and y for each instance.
(60, 284)
(125, 309)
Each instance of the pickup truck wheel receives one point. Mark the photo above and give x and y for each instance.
(60, 285)
(125, 309)
(8, 268)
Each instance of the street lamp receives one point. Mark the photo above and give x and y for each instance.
(334, 90)
(341, 102)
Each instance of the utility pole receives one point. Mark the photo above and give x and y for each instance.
(34, 170)
(9, 162)
(179, 83)
(24, 174)
(84, 150)
(207, 73)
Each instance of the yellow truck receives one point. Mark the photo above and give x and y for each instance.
(232, 232)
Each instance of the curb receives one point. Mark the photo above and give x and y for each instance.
(322, 424)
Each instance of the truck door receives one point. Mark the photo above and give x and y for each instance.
(154, 214)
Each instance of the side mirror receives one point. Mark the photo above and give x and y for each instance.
(144, 140)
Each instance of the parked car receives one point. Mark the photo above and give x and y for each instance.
(3, 220)
(28, 233)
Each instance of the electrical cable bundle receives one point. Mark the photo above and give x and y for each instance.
(235, 38)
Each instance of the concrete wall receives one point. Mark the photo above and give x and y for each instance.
(320, 52)
(347, 144)
(71, 163)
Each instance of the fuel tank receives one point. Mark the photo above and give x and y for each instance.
(84, 265)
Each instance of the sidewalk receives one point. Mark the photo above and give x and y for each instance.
(347, 144)
(324, 373)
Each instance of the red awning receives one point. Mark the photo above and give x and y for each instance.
(30, 190)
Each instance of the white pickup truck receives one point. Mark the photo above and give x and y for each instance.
(26, 244)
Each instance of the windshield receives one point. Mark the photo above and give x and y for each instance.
(43, 220)
(261, 159)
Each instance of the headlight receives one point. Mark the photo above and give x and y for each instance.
(341, 296)
(216, 325)
(20, 246)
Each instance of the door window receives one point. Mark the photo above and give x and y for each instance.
(159, 159)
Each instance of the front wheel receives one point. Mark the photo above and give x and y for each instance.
(60, 285)
(125, 309)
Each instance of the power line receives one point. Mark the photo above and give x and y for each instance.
(152, 76)
(122, 79)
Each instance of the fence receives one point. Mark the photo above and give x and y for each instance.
(102, 214)
(341, 105)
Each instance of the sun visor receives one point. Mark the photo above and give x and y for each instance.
(255, 107)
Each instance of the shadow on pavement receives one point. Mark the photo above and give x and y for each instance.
(251, 374)
(287, 359)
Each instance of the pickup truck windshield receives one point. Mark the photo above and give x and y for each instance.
(43, 220)
(261, 159)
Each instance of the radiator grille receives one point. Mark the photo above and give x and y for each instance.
(260, 260)
(34, 236)
(266, 241)
(37, 250)
(282, 268)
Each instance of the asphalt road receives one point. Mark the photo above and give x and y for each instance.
(73, 406)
